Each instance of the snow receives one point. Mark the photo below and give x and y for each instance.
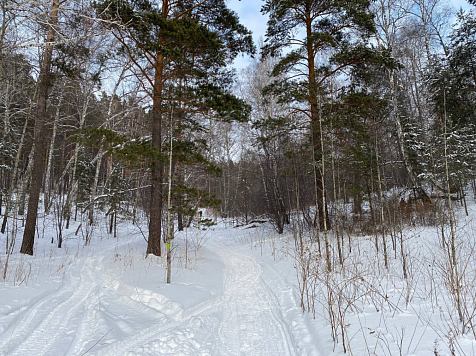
(109, 299)
(234, 291)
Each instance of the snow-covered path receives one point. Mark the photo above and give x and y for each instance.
(252, 322)
(93, 312)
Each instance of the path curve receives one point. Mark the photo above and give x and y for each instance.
(246, 319)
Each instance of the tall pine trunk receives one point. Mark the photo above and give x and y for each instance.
(40, 130)
(157, 175)
(324, 222)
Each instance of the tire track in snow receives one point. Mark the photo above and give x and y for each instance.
(30, 317)
(41, 333)
(247, 321)
(49, 324)
(168, 337)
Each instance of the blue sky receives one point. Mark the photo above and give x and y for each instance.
(250, 15)
(461, 3)
(251, 18)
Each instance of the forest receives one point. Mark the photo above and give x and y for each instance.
(352, 118)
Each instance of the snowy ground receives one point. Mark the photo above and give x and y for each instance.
(237, 294)
(107, 299)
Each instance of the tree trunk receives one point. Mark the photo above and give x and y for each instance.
(401, 144)
(336, 217)
(325, 220)
(111, 221)
(382, 215)
(156, 198)
(3, 31)
(74, 183)
(25, 185)
(179, 170)
(101, 153)
(40, 129)
(8, 198)
(170, 221)
(50, 154)
(318, 154)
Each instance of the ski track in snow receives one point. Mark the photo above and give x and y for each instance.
(245, 320)
(252, 322)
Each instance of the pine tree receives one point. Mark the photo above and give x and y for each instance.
(327, 48)
(452, 81)
(187, 41)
